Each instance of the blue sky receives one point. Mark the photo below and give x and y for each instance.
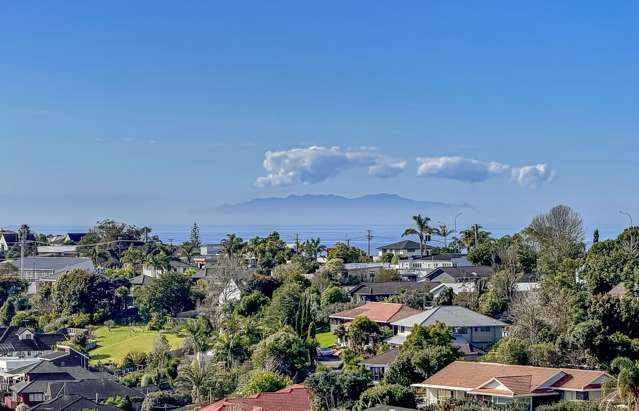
(148, 111)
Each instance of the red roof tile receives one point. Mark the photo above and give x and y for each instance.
(292, 398)
(379, 312)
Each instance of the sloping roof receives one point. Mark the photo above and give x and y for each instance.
(403, 245)
(141, 279)
(53, 263)
(12, 237)
(103, 388)
(72, 403)
(10, 340)
(76, 237)
(491, 378)
(478, 272)
(382, 359)
(292, 398)
(390, 288)
(440, 257)
(379, 312)
(452, 316)
(618, 290)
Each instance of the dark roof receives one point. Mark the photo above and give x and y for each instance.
(382, 359)
(402, 245)
(103, 388)
(440, 257)
(10, 340)
(462, 272)
(141, 279)
(390, 288)
(72, 402)
(11, 237)
(76, 237)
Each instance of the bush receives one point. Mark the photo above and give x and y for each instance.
(132, 379)
(264, 381)
(79, 320)
(251, 303)
(334, 295)
(387, 394)
(571, 406)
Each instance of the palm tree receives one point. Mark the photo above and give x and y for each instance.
(443, 232)
(232, 245)
(188, 250)
(473, 236)
(313, 247)
(627, 383)
(422, 230)
(199, 378)
(160, 262)
(199, 333)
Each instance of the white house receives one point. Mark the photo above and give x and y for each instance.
(467, 326)
(404, 248)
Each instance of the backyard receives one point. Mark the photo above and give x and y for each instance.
(115, 343)
(326, 339)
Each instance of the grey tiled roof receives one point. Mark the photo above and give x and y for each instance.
(390, 288)
(402, 245)
(479, 271)
(452, 316)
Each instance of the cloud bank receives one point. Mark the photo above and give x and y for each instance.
(474, 171)
(316, 164)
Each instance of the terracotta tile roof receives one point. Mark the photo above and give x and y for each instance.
(379, 312)
(292, 398)
(481, 377)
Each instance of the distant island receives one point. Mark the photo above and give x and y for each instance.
(330, 209)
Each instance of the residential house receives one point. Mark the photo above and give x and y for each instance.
(73, 238)
(209, 254)
(23, 343)
(48, 269)
(37, 382)
(459, 274)
(295, 397)
(505, 384)
(72, 402)
(403, 249)
(365, 271)
(380, 291)
(417, 267)
(11, 239)
(469, 287)
(10, 367)
(174, 266)
(381, 313)
(470, 329)
(380, 363)
(58, 250)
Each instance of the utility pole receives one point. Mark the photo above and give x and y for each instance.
(369, 237)
(22, 240)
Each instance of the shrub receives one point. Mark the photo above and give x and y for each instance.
(264, 381)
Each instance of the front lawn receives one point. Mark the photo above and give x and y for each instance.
(326, 339)
(115, 343)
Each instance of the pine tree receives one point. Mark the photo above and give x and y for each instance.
(595, 236)
(195, 235)
(7, 312)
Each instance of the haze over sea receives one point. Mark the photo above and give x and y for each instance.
(329, 234)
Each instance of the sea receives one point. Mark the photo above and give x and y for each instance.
(329, 235)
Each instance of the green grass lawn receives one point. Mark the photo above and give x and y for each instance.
(115, 343)
(326, 339)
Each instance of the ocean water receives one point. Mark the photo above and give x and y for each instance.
(329, 234)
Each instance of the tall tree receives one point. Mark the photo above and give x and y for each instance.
(232, 246)
(443, 232)
(195, 235)
(422, 230)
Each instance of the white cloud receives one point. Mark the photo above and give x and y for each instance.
(316, 164)
(474, 171)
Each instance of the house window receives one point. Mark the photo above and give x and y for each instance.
(459, 330)
(36, 397)
(485, 329)
(582, 395)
